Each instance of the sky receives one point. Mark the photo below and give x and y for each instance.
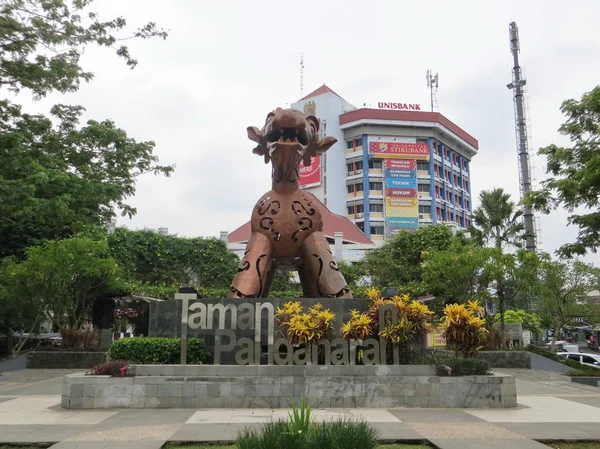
(226, 64)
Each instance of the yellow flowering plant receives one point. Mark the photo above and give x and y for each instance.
(464, 329)
(359, 326)
(302, 327)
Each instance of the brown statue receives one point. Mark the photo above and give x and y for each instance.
(287, 230)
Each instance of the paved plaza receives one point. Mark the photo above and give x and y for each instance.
(550, 408)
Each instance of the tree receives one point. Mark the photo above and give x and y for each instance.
(397, 263)
(41, 43)
(563, 289)
(497, 222)
(59, 281)
(151, 259)
(575, 173)
(530, 321)
(57, 178)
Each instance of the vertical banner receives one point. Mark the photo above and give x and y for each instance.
(401, 197)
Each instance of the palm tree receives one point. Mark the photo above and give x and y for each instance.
(497, 221)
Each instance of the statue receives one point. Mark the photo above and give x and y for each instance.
(286, 228)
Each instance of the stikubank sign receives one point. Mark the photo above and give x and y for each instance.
(224, 320)
(399, 106)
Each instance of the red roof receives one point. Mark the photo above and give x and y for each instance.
(320, 91)
(412, 116)
(332, 223)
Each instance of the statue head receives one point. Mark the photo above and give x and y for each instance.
(288, 137)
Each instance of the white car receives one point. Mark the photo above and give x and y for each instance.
(585, 359)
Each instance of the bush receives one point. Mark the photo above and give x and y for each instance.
(341, 434)
(79, 339)
(159, 351)
(115, 368)
(560, 359)
(459, 366)
(581, 373)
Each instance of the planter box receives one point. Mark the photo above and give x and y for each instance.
(591, 381)
(269, 386)
(64, 359)
(502, 359)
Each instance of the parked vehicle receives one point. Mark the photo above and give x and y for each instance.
(585, 359)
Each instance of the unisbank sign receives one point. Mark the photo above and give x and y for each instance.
(399, 106)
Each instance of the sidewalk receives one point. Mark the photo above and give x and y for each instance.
(549, 409)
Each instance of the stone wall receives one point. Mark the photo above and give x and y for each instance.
(256, 386)
(64, 360)
(502, 359)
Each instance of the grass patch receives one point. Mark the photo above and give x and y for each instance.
(579, 445)
(208, 446)
(580, 373)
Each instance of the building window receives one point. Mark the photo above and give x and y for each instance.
(350, 188)
(467, 186)
(350, 168)
(375, 186)
(424, 209)
(376, 230)
(422, 165)
(358, 165)
(375, 164)
(350, 210)
(423, 187)
(376, 207)
(359, 187)
(349, 144)
(421, 140)
(360, 208)
(358, 142)
(361, 226)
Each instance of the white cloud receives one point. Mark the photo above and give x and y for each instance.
(226, 64)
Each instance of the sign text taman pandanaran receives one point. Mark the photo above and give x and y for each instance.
(248, 351)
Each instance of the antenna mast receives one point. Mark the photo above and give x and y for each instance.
(432, 83)
(518, 88)
(301, 75)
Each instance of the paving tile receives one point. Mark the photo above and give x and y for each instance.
(397, 432)
(541, 409)
(81, 445)
(146, 417)
(52, 434)
(552, 431)
(127, 433)
(432, 415)
(487, 444)
(465, 431)
(7, 398)
(593, 401)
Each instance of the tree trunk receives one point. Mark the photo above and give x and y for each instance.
(554, 337)
(501, 307)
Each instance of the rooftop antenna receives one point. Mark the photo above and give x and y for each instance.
(518, 88)
(301, 75)
(432, 83)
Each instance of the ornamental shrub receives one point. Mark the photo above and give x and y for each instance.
(463, 328)
(158, 350)
(114, 368)
(452, 365)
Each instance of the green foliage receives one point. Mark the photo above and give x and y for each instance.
(158, 350)
(560, 359)
(353, 274)
(61, 279)
(115, 368)
(300, 418)
(63, 28)
(397, 263)
(575, 172)
(340, 434)
(458, 366)
(581, 373)
(497, 221)
(150, 258)
(530, 321)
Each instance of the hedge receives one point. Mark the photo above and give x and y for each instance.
(459, 366)
(159, 351)
(561, 359)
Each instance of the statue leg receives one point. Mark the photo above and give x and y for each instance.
(308, 283)
(323, 273)
(253, 272)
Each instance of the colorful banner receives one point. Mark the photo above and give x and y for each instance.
(399, 150)
(436, 338)
(401, 193)
(401, 183)
(396, 173)
(311, 175)
(402, 222)
(401, 164)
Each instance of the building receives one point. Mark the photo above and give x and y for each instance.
(393, 168)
